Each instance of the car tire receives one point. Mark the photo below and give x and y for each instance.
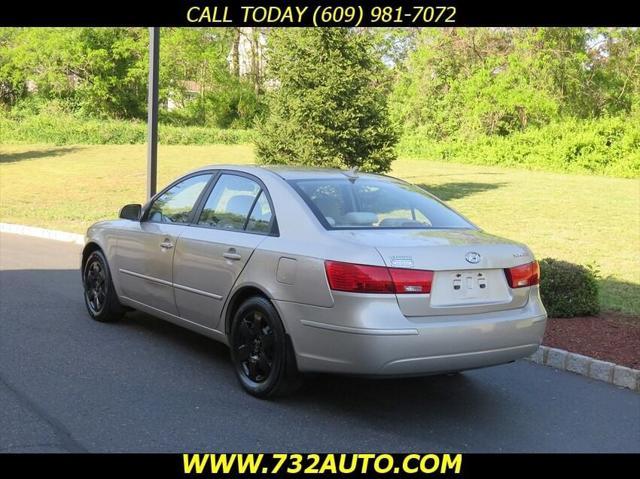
(261, 351)
(100, 296)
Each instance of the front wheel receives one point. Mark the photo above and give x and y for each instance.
(261, 352)
(99, 294)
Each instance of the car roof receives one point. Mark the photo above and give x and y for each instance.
(293, 172)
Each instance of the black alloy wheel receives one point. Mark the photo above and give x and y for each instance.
(255, 346)
(99, 294)
(261, 352)
(95, 286)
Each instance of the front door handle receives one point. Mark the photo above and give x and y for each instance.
(232, 254)
(166, 244)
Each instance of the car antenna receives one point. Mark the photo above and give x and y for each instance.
(352, 173)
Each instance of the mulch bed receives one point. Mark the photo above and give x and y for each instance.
(613, 337)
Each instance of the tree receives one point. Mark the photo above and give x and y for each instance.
(466, 81)
(329, 104)
(102, 71)
(615, 54)
(200, 74)
(12, 79)
(460, 82)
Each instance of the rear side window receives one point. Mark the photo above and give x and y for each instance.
(375, 203)
(261, 216)
(237, 203)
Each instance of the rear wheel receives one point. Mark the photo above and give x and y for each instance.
(99, 294)
(261, 352)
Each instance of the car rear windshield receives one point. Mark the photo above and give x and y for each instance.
(374, 203)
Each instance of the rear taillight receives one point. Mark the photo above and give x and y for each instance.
(414, 281)
(359, 278)
(524, 275)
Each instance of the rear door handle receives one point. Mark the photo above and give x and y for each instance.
(232, 255)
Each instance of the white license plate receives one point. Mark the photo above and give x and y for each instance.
(464, 287)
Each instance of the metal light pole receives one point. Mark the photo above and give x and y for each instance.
(152, 111)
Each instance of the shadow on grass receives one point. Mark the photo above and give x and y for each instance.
(6, 157)
(457, 190)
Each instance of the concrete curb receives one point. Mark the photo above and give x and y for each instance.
(42, 233)
(586, 366)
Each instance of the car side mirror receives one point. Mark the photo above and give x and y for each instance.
(131, 212)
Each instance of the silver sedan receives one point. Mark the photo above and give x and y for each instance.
(301, 270)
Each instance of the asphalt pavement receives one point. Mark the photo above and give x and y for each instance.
(68, 383)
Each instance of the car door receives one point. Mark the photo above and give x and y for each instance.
(210, 254)
(145, 251)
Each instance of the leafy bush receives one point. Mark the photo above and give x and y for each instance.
(66, 129)
(568, 289)
(606, 146)
(235, 105)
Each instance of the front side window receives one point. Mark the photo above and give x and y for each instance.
(375, 203)
(175, 204)
(230, 203)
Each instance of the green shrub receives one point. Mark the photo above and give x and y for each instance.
(68, 129)
(232, 106)
(606, 146)
(568, 289)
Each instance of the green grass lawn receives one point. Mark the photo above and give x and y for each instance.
(581, 219)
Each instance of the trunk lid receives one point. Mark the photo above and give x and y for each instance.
(468, 268)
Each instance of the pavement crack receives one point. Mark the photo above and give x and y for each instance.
(62, 434)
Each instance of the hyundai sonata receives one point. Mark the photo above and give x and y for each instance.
(301, 270)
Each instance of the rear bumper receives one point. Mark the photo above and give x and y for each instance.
(374, 338)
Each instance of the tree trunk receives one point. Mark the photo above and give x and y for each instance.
(235, 53)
